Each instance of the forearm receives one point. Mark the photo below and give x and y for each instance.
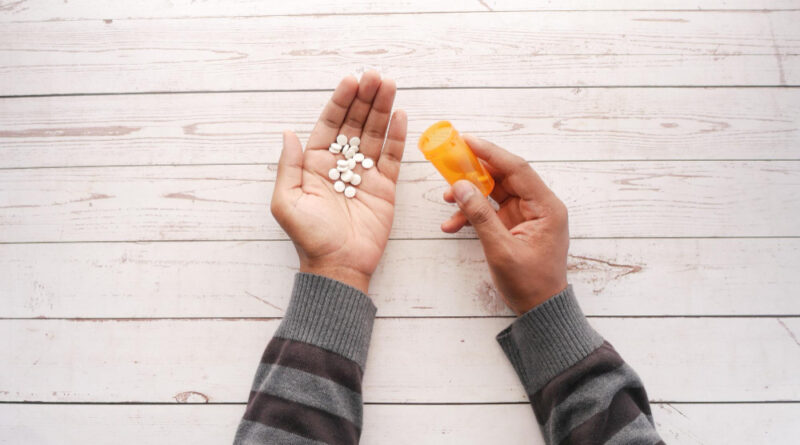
(580, 388)
(308, 385)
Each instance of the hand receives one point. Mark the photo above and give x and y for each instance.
(338, 237)
(526, 240)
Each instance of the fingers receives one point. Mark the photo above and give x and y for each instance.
(359, 109)
(448, 196)
(499, 193)
(455, 223)
(514, 172)
(333, 115)
(290, 170)
(480, 214)
(510, 215)
(374, 132)
(392, 154)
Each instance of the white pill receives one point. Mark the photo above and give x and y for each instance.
(342, 168)
(333, 174)
(354, 141)
(347, 175)
(356, 179)
(338, 186)
(341, 139)
(349, 154)
(355, 148)
(335, 148)
(351, 164)
(359, 157)
(350, 191)
(367, 163)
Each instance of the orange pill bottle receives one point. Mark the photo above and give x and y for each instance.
(446, 150)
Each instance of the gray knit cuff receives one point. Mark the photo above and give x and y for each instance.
(548, 339)
(329, 314)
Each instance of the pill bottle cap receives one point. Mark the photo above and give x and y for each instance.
(437, 138)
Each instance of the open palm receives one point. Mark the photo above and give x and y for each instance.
(343, 238)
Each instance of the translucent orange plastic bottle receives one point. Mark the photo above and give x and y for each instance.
(446, 150)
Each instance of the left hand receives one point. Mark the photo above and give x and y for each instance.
(338, 237)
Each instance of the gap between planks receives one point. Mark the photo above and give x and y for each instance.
(271, 240)
(391, 317)
(109, 19)
(275, 164)
(413, 88)
(653, 402)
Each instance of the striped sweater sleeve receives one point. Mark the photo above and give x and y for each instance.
(581, 390)
(307, 389)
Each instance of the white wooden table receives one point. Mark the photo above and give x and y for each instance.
(141, 274)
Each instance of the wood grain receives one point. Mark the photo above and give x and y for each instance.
(450, 278)
(606, 199)
(451, 360)
(419, 50)
(56, 10)
(538, 124)
(668, 165)
(383, 424)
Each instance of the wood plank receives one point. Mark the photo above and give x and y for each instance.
(619, 199)
(538, 124)
(455, 360)
(57, 10)
(383, 424)
(418, 50)
(253, 279)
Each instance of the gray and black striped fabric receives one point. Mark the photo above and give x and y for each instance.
(581, 390)
(307, 389)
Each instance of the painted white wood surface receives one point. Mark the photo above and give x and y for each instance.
(253, 279)
(54, 10)
(619, 199)
(418, 50)
(383, 424)
(689, 188)
(538, 124)
(447, 360)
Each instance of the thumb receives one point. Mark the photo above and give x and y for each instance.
(479, 212)
(290, 164)
(290, 173)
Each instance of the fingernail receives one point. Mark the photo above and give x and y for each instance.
(463, 190)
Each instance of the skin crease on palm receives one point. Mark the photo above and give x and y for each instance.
(335, 236)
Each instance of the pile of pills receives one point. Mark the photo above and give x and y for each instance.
(343, 173)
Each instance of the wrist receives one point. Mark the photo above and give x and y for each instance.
(346, 275)
(528, 302)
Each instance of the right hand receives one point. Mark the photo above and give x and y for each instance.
(526, 240)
